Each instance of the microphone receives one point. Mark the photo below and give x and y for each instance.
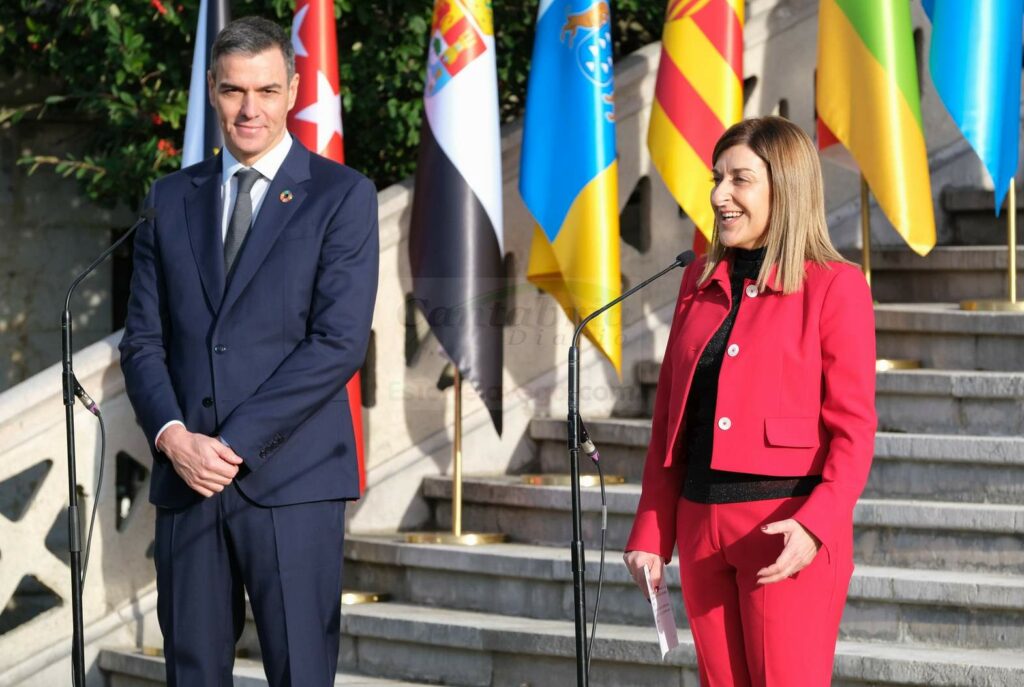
(577, 439)
(71, 388)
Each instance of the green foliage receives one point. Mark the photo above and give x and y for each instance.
(123, 70)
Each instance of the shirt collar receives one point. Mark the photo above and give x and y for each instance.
(268, 165)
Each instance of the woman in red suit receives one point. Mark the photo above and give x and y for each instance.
(764, 422)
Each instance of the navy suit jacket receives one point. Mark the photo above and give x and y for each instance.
(262, 357)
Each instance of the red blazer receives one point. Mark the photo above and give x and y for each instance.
(796, 395)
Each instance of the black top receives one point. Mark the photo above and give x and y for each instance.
(703, 484)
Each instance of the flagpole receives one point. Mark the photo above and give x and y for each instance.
(457, 459)
(881, 364)
(1011, 226)
(865, 229)
(1011, 304)
(457, 535)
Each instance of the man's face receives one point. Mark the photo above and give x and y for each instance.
(252, 96)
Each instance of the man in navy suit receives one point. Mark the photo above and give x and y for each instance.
(251, 303)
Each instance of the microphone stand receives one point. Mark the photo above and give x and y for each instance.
(576, 547)
(70, 383)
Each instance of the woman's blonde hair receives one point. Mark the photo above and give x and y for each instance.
(796, 223)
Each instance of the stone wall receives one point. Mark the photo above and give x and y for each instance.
(48, 233)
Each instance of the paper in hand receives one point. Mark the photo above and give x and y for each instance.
(664, 621)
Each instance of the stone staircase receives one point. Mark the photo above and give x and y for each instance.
(937, 598)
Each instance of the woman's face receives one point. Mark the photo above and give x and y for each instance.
(741, 198)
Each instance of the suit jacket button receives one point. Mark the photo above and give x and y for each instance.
(724, 423)
(751, 291)
(207, 402)
(220, 348)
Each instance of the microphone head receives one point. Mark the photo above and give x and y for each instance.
(685, 258)
(148, 215)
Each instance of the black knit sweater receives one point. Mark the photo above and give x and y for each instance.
(703, 484)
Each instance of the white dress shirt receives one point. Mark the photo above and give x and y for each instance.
(267, 166)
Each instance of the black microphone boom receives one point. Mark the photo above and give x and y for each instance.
(576, 547)
(70, 386)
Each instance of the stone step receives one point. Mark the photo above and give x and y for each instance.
(969, 610)
(132, 668)
(482, 649)
(888, 532)
(946, 274)
(977, 469)
(942, 336)
(972, 216)
(932, 401)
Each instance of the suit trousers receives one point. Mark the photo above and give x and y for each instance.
(289, 561)
(753, 635)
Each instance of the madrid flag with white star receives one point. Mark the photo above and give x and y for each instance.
(316, 122)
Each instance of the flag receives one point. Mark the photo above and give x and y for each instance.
(316, 122)
(975, 60)
(568, 172)
(867, 96)
(455, 234)
(698, 95)
(202, 131)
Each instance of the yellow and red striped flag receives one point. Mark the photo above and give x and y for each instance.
(698, 95)
(867, 98)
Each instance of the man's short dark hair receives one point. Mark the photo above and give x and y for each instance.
(251, 36)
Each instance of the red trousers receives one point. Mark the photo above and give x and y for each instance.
(752, 635)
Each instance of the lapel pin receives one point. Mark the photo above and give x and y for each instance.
(286, 196)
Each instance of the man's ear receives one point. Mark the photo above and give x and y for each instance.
(210, 88)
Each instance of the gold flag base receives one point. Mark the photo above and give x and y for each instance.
(565, 480)
(887, 364)
(351, 597)
(153, 651)
(996, 305)
(450, 538)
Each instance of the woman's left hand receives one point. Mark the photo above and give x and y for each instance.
(800, 548)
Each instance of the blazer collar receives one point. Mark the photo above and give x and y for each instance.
(207, 246)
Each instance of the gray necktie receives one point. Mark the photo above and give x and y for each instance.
(241, 216)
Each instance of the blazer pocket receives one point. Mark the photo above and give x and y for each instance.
(792, 432)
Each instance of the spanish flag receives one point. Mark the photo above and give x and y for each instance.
(698, 95)
(568, 173)
(867, 96)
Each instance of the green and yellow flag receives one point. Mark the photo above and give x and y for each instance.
(867, 96)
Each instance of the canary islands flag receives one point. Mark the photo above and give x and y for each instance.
(568, 174)
(975, 63)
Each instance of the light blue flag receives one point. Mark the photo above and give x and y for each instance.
(975, 63)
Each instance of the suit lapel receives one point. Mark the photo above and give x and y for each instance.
(207, 245)
(274, 215)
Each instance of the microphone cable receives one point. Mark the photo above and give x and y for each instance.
(93, 408)
(591, 451)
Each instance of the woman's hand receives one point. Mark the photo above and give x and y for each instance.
(636, 561)
(800, 548)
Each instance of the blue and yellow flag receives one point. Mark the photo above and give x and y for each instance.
(975, 63)
(568, 175)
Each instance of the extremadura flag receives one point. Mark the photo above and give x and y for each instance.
(455, 237)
